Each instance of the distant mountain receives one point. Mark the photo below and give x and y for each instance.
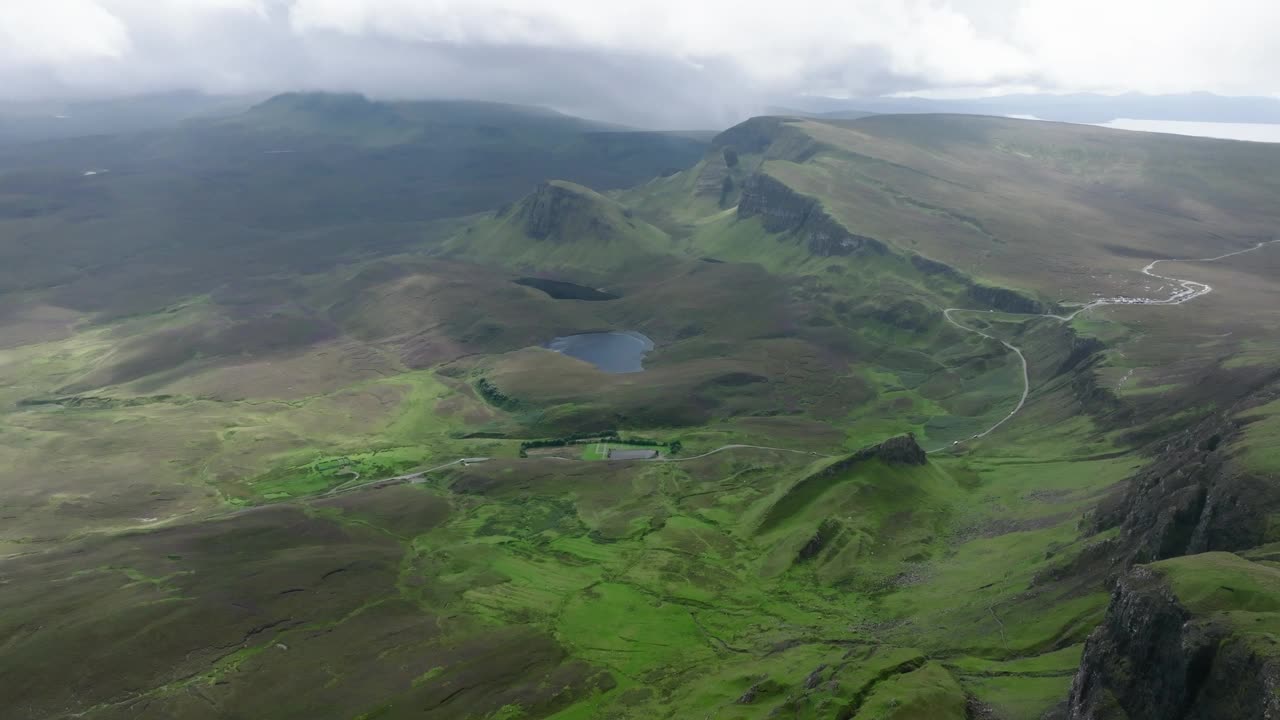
(33, 121)
(285, 435)
(1081, 107)
(295, 182)
(425, 122)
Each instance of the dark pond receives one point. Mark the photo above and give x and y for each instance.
(561, 290)
(613, 352)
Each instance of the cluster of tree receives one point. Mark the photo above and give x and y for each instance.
(609, 435)
(672, 447)
(494, 396)
(330, 464)
(572, 439)
(641, 441)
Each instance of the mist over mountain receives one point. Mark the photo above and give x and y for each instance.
(1080, 108)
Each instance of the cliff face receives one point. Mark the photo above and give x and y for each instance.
(561, 211)
(783, 210)
(899, 450)
(1154, 659)
(1005, 300)
(751, 136)
(1192, 500)
(997, 298)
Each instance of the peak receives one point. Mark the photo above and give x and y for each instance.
(341, 113)
(564, 186)
(561, 210)
(750, 136)
(900, 450)
(315, 101)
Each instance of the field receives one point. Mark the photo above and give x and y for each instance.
(192, 507)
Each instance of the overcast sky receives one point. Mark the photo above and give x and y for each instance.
(668, 62)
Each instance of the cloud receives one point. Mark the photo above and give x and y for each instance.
(60, 31)
(661, 61)
(1226, 46)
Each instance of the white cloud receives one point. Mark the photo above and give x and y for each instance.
(53, 32)
(776, 44)
(639, 55)
(1227, 46)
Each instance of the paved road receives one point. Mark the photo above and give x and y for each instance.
(738, 447)
(1026, 376)
(408, 477)
(1189, 290)
(417, 475)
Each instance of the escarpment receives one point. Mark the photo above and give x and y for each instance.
(902, 450)
(1005, 300)
(555, 206)
(1182, 641)
(1193, 499)
(1193, 635)
(783, 210)
(996, 298)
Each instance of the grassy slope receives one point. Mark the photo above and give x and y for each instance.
(593, 234)
(1231, 592)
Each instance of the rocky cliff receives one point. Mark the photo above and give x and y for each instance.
(1005, 300)
(554, 206)
(783, 210)
(1193, 499)
(1178, 643)
(899, 450)
(996, 298)
(1193, 634)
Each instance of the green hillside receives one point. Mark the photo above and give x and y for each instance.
(285, 437)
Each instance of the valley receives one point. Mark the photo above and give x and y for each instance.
(896, 417)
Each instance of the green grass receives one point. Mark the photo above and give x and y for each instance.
(1258, 447)
(745, 584)
(1237, 595)
(1221, 582)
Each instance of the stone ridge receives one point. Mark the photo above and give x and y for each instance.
(1002, 299)
(783, 210)
(1152, 659)
(900, 450)
(545, 212)
(1192, 499)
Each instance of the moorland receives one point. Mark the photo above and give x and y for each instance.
(910, 466)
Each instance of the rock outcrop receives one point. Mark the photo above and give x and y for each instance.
(783, 210)
(900, 450)
(996, 298)
(751, 136)
(555, 206)
(1193, 499)
(1005, 300)
(1153, 658)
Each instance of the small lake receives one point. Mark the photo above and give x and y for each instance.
(612, 352)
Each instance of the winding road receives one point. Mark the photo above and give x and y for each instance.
(1188, 290)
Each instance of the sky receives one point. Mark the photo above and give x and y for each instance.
(657, 62)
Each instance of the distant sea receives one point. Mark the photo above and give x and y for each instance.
(1257, 132)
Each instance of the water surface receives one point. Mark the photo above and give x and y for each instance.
(612, 352)
(1257, 132)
